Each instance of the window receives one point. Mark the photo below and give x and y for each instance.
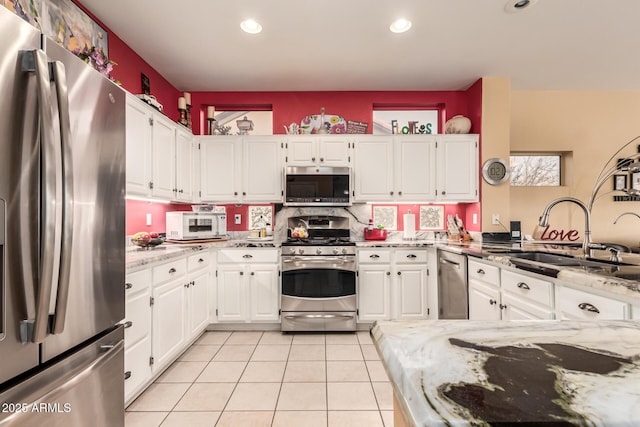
(536, 170)
(399, 121)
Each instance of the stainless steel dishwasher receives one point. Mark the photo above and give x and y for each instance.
(453, 295)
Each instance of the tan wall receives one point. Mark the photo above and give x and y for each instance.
(593, 126)
(496, 110)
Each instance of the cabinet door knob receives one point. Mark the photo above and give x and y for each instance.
(242, 273)
(388, 273)
(200, 260)
(186, 285)
(128, 285)
(399, 273)
(313, 159)
(588, 307)
(127, 375)
(480, 271)
(128, 324)
(247, 256)
(391, 193)
(503, 306)
(252, 273)
(235, 193)
(443, 192)
(399, 193)
(172, 270)
(181, 191)
(244, 193)
(523, 285)
(493, 302)
(193, 283)
(322, 159)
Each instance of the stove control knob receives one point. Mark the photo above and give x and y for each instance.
(344, 251)
(336, 251)
(292, 250)
(319, 251)
(301, 251)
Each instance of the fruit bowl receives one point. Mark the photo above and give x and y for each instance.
(148, 243)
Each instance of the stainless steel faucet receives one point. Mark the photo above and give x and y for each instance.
(625, 213)
(586, 243)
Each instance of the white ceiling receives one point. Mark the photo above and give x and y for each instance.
(346, 44)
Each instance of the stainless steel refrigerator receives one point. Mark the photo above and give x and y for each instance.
(62, 213)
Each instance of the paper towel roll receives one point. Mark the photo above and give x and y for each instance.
(409, 220)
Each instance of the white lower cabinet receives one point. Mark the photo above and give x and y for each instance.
(392, 284)
(496, 294)
(248, 285)
(580, 305)
(137, 333)
(169, 313)
(374, 292)
(635, 312)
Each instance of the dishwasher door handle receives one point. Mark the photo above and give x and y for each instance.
(446, 261)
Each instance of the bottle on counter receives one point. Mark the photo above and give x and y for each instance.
(370, 226)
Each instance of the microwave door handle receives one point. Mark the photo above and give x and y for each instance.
(62, 298)
(35, 330)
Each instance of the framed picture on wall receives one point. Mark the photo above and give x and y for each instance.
(620, 182)
(635, 181)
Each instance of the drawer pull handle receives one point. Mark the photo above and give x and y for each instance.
(247, 256)
(374, 256)
(127, 375)
(388, 273)
(523, 285)
(242, 273)
(480, 271)
(493, 302)
(172, 270)
(399, 273)
(200, 260)
(588, 307)
(503, 306)
(128, 324)
(128, 285)
(193, 283)
(411, 256)
(186, 285)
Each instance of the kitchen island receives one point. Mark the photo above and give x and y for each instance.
(495, 373)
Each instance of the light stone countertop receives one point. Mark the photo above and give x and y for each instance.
(457, 373)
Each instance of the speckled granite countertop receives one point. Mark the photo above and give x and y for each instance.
(137, 257)
(453, 373)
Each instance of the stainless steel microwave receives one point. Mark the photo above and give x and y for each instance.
(317, 186)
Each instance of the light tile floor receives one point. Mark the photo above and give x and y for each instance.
(270, 379)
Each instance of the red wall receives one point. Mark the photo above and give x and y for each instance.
(474, 112)
(129, 68)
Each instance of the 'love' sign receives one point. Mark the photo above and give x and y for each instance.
(553, 234)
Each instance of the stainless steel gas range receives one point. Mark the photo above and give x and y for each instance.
(319, 276)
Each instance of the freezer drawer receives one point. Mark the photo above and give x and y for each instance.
(84, 388)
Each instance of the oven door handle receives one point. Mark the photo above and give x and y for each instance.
(320, 316)
(318, 260)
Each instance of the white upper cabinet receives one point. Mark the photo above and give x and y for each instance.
(220, 162)
(316, 150)
(415, 167)
(262, 169)
(241, 169)
(373, 168)
(138, 132)
(163, 167)
(457, 171)
(185, 154)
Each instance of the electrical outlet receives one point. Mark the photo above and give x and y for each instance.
(475, 218)
(237, 218)
(495, 219)
(148, 219)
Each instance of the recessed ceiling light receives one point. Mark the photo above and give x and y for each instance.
(513, 6)
(250, 26)
(400, 25)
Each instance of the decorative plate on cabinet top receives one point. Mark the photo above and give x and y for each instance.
(334, 124)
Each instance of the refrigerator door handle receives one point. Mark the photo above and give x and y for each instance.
(35, 330)
(62, 298)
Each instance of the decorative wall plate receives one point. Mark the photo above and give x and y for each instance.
(335, 124)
